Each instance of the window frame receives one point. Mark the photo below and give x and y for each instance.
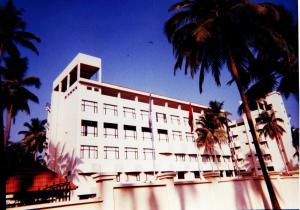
(112, 107)
(87, 103)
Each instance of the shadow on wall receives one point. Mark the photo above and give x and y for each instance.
(184, 191)
(63, 163)
(152, 200)
(245, 198)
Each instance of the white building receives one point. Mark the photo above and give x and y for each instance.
(243, 142)
(96, 127)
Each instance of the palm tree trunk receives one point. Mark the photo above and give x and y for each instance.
(3, 163)
(7, 124)
(235, 74)
(2, 149)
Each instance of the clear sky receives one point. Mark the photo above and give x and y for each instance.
(128, 36)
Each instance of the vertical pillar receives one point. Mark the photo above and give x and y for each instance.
(168, 179)
(105, 187)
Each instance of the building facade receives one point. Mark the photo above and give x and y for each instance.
(96, 127)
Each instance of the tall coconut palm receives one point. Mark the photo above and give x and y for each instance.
(34, 136)
(15, 93)
(270, 127)
(211, 129)
(13, 31)
(221, 119)
(12, 34)
(208, 34)
(209, 134)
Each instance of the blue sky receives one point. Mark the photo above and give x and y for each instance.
(128, 36)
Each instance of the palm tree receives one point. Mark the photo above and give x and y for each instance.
(12, 34)
(211, 129)
(206, 35)
(34, 136)
(16, 95)
(271, 128)
(12, 31)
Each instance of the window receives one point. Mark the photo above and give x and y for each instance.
(197, 174)
(111, 152)
(144, 115)
(110, 110)
(268, 107)
(161, 117)
(129, 112)
(149, 154)
(177, 136)
(118, 177)
(89, 128)
(189, 137)
(226, 159)
(268, 158)
(180, 157)
(131, 153)
(193, 158)
(133, 176)
(162, 135)
(110, 129)
(205, 158)
(175, 120)
(180, 175)
(264, 145)
(186, 121)
(216, 158)
(130, 132)
(89, 106)
(88, 152)
(146, 133)
(261, 106)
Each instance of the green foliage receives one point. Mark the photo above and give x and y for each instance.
(212, 124)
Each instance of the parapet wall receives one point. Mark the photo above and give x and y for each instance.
(165, 194)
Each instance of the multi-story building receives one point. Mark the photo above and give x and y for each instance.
(96, 127)
(243, 146)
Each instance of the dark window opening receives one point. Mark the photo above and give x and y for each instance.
(64, 84)
(180, 175)
(73, 76)
(110, 129)
(197, 174)
(253, 106)
(56, 88)
(89, 128)
(87, 196)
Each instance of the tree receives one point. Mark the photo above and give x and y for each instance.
(12, 34)
(16, 95)
(271, 128)
(206, 35)
(212, 128)
(34, 137)
(12, 31)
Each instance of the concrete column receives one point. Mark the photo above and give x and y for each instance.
(168, 178)
(189, 176)
(105, 187)
(123, 177)
(143, 176)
